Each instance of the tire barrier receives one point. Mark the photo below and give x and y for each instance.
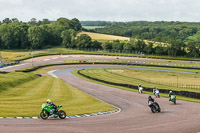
(3, 72)
(8, 64)
(180, 93)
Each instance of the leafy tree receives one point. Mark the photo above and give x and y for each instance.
(6, 33)
(149, 48)
(160, 50)
(128, 46)
(106, 45)
(193, 50)
(139, 45)
(116, 45)
(64, 22)
(15, 20)
(35, 36)
(7, 21)
(75, 24)
(96, 45)
(83, 41)
(68, 38)
(33, 22)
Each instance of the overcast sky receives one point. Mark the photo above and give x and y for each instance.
(109, 10)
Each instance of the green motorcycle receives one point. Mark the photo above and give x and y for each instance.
(49, 110)
(173, 98)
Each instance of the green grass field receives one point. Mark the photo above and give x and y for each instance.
(161, 80)
(128, 89)
(8, 56)
(25, 99)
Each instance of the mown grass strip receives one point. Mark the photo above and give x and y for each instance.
(111, 76)
(25, 100)
(134, 90)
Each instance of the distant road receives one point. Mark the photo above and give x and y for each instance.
(58, 59)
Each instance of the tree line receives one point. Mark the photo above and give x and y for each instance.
(178, 38)
(182, 38)
(15, 34)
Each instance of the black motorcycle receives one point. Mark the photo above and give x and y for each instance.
(154, 107)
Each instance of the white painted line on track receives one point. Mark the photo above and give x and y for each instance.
(54, 58)
(87, 56)
(76, 56)
(46, 59)
(52, 73)
(35, 118)
(64, 56)
(19, 117)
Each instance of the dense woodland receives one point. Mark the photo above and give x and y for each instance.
(15, 34)
(178, 38)
(181, 38)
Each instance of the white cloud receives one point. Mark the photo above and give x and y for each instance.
(12, 2)
(113, 10)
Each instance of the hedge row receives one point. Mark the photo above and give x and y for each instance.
(180, 93)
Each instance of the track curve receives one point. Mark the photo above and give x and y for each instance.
(135, 116)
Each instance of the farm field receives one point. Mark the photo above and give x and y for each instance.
(98, 36)
(25, 98)
(92, 27)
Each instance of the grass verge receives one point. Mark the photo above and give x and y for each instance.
(26, 99)
(134, 90)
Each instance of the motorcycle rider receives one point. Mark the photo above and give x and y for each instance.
(157, 93)
(50, 103)
(150, 100)
(140, 88)
(170, 94)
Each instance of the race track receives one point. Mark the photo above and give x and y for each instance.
(135, 115)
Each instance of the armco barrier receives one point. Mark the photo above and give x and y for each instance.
(180, 93)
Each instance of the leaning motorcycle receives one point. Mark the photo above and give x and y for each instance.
(49, 111)
(154, 107)
(173, 99)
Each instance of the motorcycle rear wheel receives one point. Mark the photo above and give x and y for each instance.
(62, 114)
(174, 101)
(44, 116)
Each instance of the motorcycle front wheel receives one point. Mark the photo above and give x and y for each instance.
(44, 116)
(153, 109)
(62, 114)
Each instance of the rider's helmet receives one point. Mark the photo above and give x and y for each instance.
(48, 100)
(149, 97)
(140, 85)
(170, 91)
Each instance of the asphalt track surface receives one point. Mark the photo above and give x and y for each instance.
(135, 115)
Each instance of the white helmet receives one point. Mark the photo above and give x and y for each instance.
(170, 91)
(48, 100)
